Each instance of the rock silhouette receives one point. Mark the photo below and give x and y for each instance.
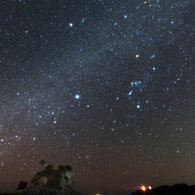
(22, 185)
(52, 182)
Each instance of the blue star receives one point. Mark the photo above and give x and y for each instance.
(77, 96)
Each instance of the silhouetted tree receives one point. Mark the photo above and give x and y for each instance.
(68, 167)
(65, 168)
(42, 162)
(48, 169)
(61, 168)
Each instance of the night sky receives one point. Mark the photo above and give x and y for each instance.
(107, 86)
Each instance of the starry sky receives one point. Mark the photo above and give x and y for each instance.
(106, 86)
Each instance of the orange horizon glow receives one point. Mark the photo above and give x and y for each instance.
(143, 188)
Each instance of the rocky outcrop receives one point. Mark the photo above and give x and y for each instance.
(46, 190)
(67, 179)
(43, 180)
(52, 182)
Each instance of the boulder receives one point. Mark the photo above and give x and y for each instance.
(43, 180)
(52, 182)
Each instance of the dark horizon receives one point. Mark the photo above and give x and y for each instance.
(85, 192)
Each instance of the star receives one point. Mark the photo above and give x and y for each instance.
(77, 96)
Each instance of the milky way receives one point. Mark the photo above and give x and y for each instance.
(105, 86)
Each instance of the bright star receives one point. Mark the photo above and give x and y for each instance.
(77, 96)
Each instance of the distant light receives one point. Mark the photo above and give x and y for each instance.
(137, 56)
(77, 96)
(143, 188)
(152, 56)
(138, 106)
(125, 16)
(149, 187)
(71, 24)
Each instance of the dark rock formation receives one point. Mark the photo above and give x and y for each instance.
(52, 182)
(178, 189)
(22, 185)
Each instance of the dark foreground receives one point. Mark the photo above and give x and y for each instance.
(21, 193)
(178, 189)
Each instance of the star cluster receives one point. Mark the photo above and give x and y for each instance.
(105, 86)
